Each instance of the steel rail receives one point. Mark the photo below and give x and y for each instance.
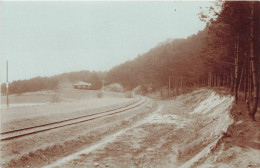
(73, 123)
(57, 122)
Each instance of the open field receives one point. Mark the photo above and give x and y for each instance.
(36, 107)
(53, 96)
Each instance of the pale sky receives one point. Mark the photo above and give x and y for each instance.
(49, 38)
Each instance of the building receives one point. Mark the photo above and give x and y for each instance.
(82, 85)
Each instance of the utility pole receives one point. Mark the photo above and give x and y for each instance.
(181, 70)
(7, 101)
(103, 82)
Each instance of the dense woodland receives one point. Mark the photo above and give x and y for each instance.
(52, 83)
(224, 54)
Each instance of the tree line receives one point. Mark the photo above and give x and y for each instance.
(224, 54)
(52, 83)
(233, 46)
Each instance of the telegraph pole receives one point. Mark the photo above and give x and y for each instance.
(103, 82)
(7, 101)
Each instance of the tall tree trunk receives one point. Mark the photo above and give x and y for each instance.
(241, 78)
(250, 83)
(209, 79)
(232, 81)
(246, 77)
(216, 80)
(253, 66)
(236, 69)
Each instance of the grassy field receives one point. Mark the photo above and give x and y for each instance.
(54, 96)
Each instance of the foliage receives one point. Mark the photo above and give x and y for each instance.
(226, 53)
(178, 59)
(51, 83)
(114, 87)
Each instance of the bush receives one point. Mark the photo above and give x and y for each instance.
(100, 94)
(129, 95)
(114, 87)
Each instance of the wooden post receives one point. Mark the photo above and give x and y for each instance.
(7, 84)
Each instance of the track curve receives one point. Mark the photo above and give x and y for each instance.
(17, 133)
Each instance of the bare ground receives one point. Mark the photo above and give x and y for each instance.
(38, 150)
(240, 145)
(171, 136)
(192, 130)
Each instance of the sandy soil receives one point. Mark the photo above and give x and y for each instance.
(41, 148)
(240, 145)
(192, 130)
(175, 135)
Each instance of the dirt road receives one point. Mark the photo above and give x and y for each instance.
(180, 132)
(177, 134)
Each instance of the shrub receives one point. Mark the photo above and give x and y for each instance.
(129, 95)
(100, 94)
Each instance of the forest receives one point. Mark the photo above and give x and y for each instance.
(224, 54)
(52, 83)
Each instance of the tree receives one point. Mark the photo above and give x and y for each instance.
(253, 62)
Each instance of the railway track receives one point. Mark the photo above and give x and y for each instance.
(18, 133)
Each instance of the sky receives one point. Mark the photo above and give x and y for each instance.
(49, 38)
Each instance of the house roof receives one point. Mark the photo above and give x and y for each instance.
(82, 84)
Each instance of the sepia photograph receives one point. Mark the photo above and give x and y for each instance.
(130, 84)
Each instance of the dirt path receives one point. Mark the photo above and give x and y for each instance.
(177, 134)
(96, 146)
(192, 130)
